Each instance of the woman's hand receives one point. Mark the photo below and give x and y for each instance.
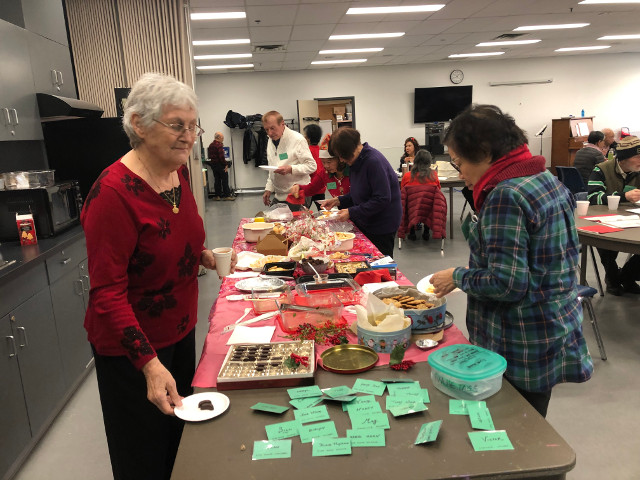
(330, 203)
(343, 215)
(266, 198)
(207, 259)
(442, 282)
(295, 190)
(161, 387)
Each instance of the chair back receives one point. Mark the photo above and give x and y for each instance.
(423, 204)
(571, 178)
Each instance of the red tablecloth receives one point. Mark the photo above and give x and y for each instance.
(224, 312)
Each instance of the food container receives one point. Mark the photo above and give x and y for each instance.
(352, 268)
(384, 342)
(28, 179)
(264, 302)
(346, 241)
(321, 264)
(345, 289)
(421, 318)
(280, 269)
(316, 310)
(256, 231)
(467, 372)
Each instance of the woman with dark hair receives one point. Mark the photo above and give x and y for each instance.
(373, 203)
(522, 275)
(337, 174)
(590, 155)
(314, 190)
(411, 148)
(421, 174)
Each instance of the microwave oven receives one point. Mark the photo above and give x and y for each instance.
(54, 209)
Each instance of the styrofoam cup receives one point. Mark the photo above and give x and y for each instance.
(613, 201)
(582, 207)
(223, 260)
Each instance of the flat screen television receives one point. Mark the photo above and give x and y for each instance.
(440, 104)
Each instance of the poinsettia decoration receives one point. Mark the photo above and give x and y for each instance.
(396, 359)
(328, 333)
(294, 361)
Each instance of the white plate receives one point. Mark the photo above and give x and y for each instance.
(245, 259)
(259, 284)
(425, 286)
(268, 167)
(190, 412)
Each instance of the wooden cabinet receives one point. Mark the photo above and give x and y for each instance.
(568, 135)
(19, 118)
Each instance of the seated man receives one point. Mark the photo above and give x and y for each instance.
(589, 156)
(620, 177)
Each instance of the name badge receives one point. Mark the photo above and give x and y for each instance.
(283, 156)
(332, 185)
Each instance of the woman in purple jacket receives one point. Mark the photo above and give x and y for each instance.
(373, 203)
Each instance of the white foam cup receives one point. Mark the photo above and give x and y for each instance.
(613, 201)
(223, 260)
(582, 207)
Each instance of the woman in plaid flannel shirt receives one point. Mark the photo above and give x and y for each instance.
(521, 280)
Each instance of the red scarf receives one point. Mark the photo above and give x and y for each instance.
(517, 163)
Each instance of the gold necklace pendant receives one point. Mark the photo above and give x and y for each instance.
(175, 209)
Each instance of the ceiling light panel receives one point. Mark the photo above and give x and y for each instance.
(608, 2)
(403, 9)
(350, 50)
(484, 54)
(222, 56)
(217, 15)
(222, 67)
(232, 41)
(366, 36)
(507, 43)
(529, 28)
(329, 62)
(635, 36)
(577, 49)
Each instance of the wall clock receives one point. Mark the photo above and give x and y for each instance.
(456, 76)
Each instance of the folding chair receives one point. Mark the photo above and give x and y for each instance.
(585, 294)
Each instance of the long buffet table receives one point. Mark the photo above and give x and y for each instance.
(223, 446)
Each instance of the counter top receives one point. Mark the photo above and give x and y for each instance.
(30, 256)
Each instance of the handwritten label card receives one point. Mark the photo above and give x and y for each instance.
(269, 449)
(397, 380)
(480, 416)
(459, 407)
(399, 400)
(402, 388)
(278, 431)
(428, 432)
(335, 392)
(360, 400)
(313, 414)
(369, 420)
(345, 399)
(304, 392)
(267, 407)
(425, 396)
(318, 430)
(372, 437)
(308, 402)
(325, 447)
(495, 440)
(360, 408)
(372, 387)
(408, 409)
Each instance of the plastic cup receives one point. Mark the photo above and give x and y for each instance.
(321, 278)
(613, 201)
(223, 260)
(405, 168)
(582, 207)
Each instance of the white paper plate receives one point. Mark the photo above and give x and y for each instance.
(268, 167)
(425, 286)
(245, 259)
(190, 412)
(260, 284)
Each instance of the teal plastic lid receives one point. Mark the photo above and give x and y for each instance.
(467, 362)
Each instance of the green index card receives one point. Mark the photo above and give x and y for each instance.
(372, 387)
(495, 440)
(459, 407)
(325, 447)
(359, 400)
(359, 408)
(369, 420)
(480, 416)
(408, 409)
(346, 399)
(267, 407)
(428, 432)
(304, 392)
(278, 431)
(313, 414)
(269, 449)
(370, 437)
(397, 380)
(399, 400)
(425, 396)
(307, 402)
(402, 388)
(341, 391)
(318, 430)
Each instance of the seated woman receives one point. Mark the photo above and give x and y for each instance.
(411, 147)
(589, 156)
(421, 174)
(337, 174)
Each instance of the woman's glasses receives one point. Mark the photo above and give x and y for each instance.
(454, 165)
(179, 128)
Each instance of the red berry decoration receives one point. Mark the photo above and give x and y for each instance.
(403, 365)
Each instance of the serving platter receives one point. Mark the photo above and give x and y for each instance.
(260, 284)
(348, 358)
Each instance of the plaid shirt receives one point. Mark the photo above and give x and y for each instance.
(521, 283)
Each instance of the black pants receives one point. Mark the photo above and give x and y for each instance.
(383, 241)
(615, 276)
(143, 442)
(538, 400)
(220, 181)
(314, 199)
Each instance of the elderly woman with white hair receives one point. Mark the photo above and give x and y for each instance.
(145, 242)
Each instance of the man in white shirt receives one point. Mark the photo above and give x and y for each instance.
(289, 151)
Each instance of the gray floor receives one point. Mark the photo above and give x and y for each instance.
(599, 419)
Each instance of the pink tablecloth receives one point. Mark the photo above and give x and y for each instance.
(225, 312)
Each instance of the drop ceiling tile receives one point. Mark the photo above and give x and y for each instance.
(295, 65)
(300, 56)
(268, 57)
(270, 2)
(269, 34)
(208, 33)
(305, 46)
(268, 66)
(313, 14)
(311, 32)
(432, 26)
(271, 16)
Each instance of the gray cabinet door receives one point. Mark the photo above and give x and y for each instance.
(86, 284)
(51, 66)
(14, 423)
(34, 329)
(67, 296)
(19, 117)
(46, 18)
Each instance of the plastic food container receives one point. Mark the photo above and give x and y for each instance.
(316, 310)
(256, 231)
(467, 372)
(28, 179)
(384, 342)
(345, 289)
(321, 264)
(264, 302)
(284, 269)
(346, 241)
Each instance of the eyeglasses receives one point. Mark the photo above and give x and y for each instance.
(454, 165)
(179, 128)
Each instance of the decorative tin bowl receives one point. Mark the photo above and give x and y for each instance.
(428, 318)
(384, 342)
